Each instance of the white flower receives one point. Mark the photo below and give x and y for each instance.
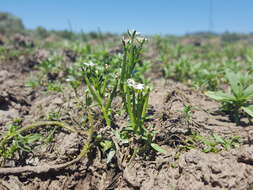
(139, 86)
(135, 85)
(70, 79)
(141, 39)
(126, 40)
(131, 82)
(131, 32)
(137, 33)
(89, 64)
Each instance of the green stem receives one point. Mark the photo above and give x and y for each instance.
(106, 116)
(99, 100)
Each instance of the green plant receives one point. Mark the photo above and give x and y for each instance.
(18, 143)
(214, 143)
(136, 101)
(132, 45)
(32, 83)
(206, 77)
(53, 116)
(3, 52)
(108, 147)
(10, 24)
(237, 98)
(135, 95)
(54, 86)
(187, 113)
(14, 140)
(101, 73)
(102, 89)
(47, 65)
(50, 65)
(180, 70)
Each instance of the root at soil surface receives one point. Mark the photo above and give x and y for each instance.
(46, 167)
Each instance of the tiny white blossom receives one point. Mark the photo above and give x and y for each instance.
(141, 39)
(126, 40)
(139, 86)
(135, 85)
(70, 79)
(131, 82)
(89, 64)
(132, 31)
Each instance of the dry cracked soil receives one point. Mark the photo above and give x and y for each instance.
(187, 169)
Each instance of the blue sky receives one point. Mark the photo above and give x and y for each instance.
(148, 17)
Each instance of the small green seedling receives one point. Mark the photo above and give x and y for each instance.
(19, 142)
(214, 143)
(187, 113)
(237, 98)
(32, 83)
(108, 147)
(55, 87)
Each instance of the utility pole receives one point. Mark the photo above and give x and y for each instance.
(210, 27)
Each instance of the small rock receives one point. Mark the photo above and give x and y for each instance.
(3, 75)
(192, 157)
(245, 154)
(58, 101)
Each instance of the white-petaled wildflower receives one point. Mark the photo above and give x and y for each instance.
(137, 33)
(70, 79)
(131, 32)
(89, 64)
(141, 39)
(139, 86)
(126, 40)
(131, 82)
(135, 85)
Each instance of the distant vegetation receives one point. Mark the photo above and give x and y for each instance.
(10, 24)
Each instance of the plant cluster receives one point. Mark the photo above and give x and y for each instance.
(204, 66)
(214, 143)
(101, 79)
(120, 76)
(239, 95)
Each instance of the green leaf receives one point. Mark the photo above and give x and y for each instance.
(220, 96)
(234, 82)
(32, 138)
(219, 139)
(106, 145)
(112, 95)
(94, 93)
(207, 149)
(145, 106)
(248, 92)
(248, 110)
(158, 148)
